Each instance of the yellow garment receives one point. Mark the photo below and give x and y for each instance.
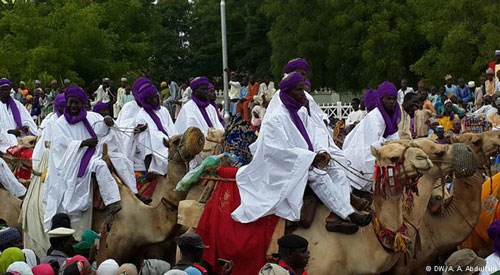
(404, 125)
(490, 87)
(446, 122)
(479, 239)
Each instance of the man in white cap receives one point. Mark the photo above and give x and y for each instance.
(489, 84)
(102, 93)
(119, 94)
(450, 88)
(62, 241)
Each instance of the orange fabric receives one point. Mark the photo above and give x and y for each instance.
(428, 106)
(252, 91)
(479, 239)
(242, 107)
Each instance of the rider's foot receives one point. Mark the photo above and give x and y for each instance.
(359, 203)
(360, 219)
(335, 223)
(143, 199)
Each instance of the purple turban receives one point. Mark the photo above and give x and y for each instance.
(293, 106)
(75, 91)
(294, 64)
(144, 88)
(290, 81)
(391, 120)
(59, 101)
(211, 86)
(5, 81)
(494, 234)
(100, 106)
(197, 82)
(370, 100)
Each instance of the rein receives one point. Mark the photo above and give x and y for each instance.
(396, 241)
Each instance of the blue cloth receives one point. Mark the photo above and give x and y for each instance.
(243, 92)
(452, 89)
(239, 135)
(36, 108)
(193, 271)
(464, 94)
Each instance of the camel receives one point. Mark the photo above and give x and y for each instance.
(157, 222)
(436, 234)
(362, 252)
(10, 207)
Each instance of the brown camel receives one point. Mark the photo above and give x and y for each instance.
(362, 252)
(10, 207)
(435, 233)
(138, 225)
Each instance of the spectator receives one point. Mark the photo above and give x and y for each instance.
(9, 256)
(18, 95)
(43, 269)
(20, 267)
(22, 88)
(10, 237)
(433, 124)
(494, 117)
(464, 95)
(126, 97)
(258, 112)
(66, 83)
(79, 268)
(253, 89)
(447, 117)
(426, 103)
(62, 242)
(450, 88)
(173, 102)
(103, 92)
(108, 267)
(293, 253)
(440, 135)
(165, 92)
(464, 262)
(153, 267)
(403, 91)
(455, 131)
(440, 105)
(422, 116)
(434, 97)
(495, 65)
(266, 89)
(489, 84)
(127, 269)
(29, 103)
(119, 94)
(234, 93)
(356, 115)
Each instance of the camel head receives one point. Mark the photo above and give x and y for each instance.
(183, 148)
(27, 141)
(414, 160)
(484, 144)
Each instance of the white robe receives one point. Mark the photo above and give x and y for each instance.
(7, 123)
(9, 181)
(274, 181)
(150, 142)
(492, 264)
(190, 115)
(64, 192)
(126, 119)
(44, 135)
(369, 132)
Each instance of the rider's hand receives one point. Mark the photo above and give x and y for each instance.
(90, 142)
(140, 128)
(321, 160)
(109, 121)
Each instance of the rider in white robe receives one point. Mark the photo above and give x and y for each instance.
(9, 181)
(7, 120)
(371, 131)
(275, 180)
(64, 191)
(126, 122)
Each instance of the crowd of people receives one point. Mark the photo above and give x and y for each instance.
(292, 150)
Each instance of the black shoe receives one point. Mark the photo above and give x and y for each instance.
(335, 223)
(360, 219)
(143, 199)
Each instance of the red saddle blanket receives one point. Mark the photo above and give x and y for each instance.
(245, 244)
(21, 172)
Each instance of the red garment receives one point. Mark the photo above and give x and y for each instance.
(245, 244)
(22, 172)
(287, 267)
(492, 65)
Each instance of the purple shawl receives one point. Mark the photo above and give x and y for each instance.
(494, 234)
(59, 101)
(294, 64)
(213, 103)
(391, 120)
(79, 93)
(144, 89)
(100, 106)
(11, 104)
(202, 105)
(370, 100)
(289, 82)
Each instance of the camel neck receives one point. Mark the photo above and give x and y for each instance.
(389, 211)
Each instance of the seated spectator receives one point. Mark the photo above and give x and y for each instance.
(153, 267)
(21, 267)
(462, 262)
(43, 269)
(10, 237)
(9, 256)
(79, 268)
(258, 112)
(108, 267)
(447, 117)
(433, 123)
(464, 95)
(62, 241)
(127, 269)
(356, 115)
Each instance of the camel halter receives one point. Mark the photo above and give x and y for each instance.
(396, 241)
(388, 177)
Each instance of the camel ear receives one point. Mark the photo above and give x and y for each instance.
(375, 152)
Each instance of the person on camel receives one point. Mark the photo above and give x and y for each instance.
(289, 154)
(378, 126)
(75, 156)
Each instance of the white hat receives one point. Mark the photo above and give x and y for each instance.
(61, 232)
(123, 79)
(497, 52)
(471, 84)
(67, 81)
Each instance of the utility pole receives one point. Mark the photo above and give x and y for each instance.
(224, 57)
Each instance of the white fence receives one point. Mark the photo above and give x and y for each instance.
(337, 110)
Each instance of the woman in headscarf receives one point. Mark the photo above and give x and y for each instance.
(30, 257)
(378, 126)
(9, 256)
(74, 156)
(21, 267)
(43, 269)
(448, 116)
(153, 267)
(108, 267)
(152, 152)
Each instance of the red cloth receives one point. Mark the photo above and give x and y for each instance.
(245, 244)
(22, 172)
(492, 65)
